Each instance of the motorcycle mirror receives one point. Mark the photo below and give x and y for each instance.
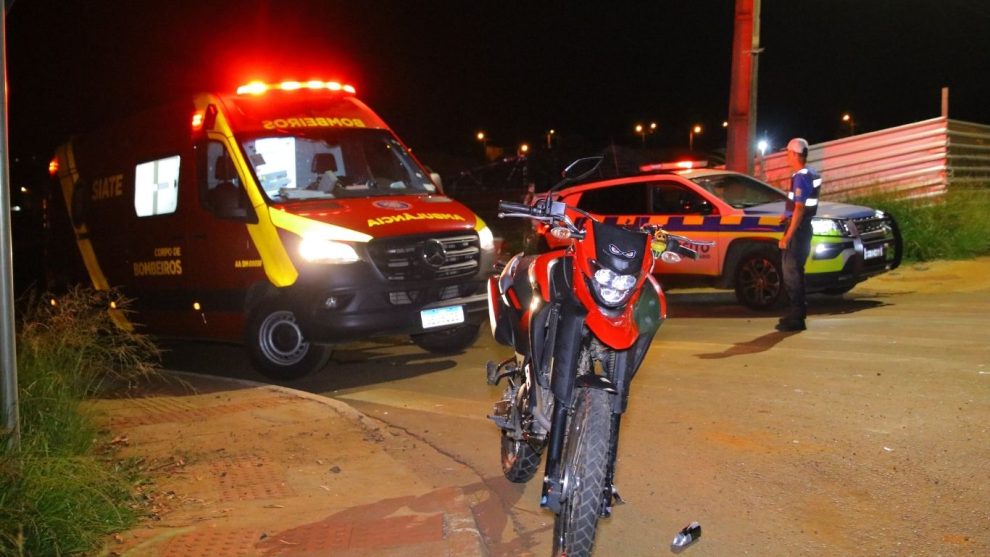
(581, 168)
(577, 171)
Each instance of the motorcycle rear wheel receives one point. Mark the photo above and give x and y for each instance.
(520, 460)
(584, 460)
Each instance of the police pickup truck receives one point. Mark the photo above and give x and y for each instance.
(743, 218)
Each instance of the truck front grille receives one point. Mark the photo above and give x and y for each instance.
(876, 233)
(874, 229)
(426, 257)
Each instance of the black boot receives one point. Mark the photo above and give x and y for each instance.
(789, 324)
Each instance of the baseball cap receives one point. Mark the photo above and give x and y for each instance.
(798, 145)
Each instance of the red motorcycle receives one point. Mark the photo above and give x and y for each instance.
(580, 320)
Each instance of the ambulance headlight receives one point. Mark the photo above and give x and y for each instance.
(611, 288)
(321, 250)
(486, 238)
(827, 227)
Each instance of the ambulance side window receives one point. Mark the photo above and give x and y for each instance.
(222, 192)
(156, 187)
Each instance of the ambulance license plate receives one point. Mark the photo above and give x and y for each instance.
(873, 253)
(437, 317)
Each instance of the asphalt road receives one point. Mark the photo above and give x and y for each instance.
(867, 434)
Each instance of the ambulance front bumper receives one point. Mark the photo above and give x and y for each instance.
(355, 303)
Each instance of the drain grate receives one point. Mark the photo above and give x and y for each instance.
(254, 478)
(332, 534)
(206, 542)
(193, 414)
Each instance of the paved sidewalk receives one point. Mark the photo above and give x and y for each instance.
(245, 469)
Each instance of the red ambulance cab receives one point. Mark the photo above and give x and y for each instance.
(287, 216)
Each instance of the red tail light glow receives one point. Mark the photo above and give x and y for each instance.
(53, 167)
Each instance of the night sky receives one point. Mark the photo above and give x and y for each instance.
(440, 71)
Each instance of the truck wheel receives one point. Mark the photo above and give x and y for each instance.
(276, 345)
(760, 280)
(448, 341)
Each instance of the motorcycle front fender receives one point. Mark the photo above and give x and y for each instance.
(592, 381)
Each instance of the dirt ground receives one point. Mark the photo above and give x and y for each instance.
(867, 434)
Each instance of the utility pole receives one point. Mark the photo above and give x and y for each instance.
(742, 95)
(8, 351)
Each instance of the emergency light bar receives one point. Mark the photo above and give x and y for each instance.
(260, 88)
(679, 165)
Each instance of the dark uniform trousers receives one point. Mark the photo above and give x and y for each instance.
(792, 261)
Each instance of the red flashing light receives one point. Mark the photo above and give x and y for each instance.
(678, 165)
(53, 167)
(260, 88)
(205, 119)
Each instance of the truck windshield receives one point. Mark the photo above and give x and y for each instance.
(333, 164)
(738, 190)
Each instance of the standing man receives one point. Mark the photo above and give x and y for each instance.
(795, 244)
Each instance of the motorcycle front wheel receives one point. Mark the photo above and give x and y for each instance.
(584, 462)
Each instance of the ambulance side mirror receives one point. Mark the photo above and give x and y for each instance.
(437, 181)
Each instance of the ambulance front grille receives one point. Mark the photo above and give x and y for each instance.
(426, 257)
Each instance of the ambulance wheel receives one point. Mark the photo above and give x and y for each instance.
(276, 345)
(448, 341)
(760, 280)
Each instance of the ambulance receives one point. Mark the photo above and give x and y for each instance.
(285, 215)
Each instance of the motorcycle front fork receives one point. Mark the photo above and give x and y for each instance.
(552, 496)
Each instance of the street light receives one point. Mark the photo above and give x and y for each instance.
(848, 120)
(523, 149)
(696, 129)
(550, 138)
(484, 144)
(763, 145)
(643, 130)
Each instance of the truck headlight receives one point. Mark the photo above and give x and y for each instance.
(322, 250)
(826, 227)
(612, 289)
(486, 238)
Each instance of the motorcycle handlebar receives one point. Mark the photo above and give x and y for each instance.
(518, 208)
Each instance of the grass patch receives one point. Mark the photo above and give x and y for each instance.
(956, 226)
(58, 494)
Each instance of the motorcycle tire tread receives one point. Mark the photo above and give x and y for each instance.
(577, 523)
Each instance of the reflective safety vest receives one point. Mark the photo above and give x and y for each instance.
(805, 186)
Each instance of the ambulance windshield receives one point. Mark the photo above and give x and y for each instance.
(334, 164)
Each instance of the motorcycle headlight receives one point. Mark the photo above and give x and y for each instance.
(611, 288)
(826, 227)
(322, 250)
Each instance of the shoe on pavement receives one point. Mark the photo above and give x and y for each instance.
(789, 325)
